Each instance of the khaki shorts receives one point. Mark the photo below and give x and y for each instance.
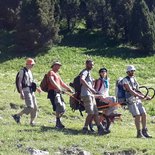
(60, 104)
(136, 108)
(90, 105)
(30, 99)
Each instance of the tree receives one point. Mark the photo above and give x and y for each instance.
(36, 26)
(142, 30)
(8, 14)
(69, 12)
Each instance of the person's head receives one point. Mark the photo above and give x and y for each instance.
(103, 73)
(130, 70)
(89, 64)
(29, 63)
(56, 65)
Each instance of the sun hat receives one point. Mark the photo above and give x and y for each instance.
(130, 68)
(30, 61)
(56, 63)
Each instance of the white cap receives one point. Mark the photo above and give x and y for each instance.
(130, 68)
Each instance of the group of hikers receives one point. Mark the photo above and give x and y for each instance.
(88, 94)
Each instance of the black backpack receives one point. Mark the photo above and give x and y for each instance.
(23, 81)
(76, 84)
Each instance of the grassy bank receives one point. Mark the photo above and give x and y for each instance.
(14, 139)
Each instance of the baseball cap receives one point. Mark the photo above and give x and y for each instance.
(30, 61)
(130, 68)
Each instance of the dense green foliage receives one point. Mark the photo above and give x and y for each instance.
(37, 22)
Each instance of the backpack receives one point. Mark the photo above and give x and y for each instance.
(44, 83)
(76, 103)
(17, 79)
(120, 91)
(76, 84)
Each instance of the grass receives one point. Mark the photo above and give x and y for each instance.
(14, 139)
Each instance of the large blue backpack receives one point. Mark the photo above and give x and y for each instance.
(120, 91)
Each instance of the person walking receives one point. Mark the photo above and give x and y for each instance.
(87, 96)
(25, 83)
(55, 88)
(133, 99)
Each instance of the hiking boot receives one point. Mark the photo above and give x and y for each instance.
(91, 127)
(59, 125)
(85, 130)
(140, 135)
(16, 118)
(101, 130)
(145, 133)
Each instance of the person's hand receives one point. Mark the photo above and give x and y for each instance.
(70, 90)
(147, 98)
(93, 91)
(39, 90)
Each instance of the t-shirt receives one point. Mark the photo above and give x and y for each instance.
(104, 90)
(84, 90)
(132, 84)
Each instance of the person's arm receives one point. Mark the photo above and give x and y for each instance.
(85, 84)
(133, 92)
(65, 86)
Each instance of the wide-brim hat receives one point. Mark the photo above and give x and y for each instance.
(56, 63)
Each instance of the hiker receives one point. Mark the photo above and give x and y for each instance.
(102, 88)
(55, 88)
(133, 100)
(87, 96)
(26, 92)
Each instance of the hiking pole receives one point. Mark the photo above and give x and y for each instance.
(71, 95)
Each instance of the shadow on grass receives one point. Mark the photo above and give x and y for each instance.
(8, 49)
(98, 45)
(65, 130)
(94, 42)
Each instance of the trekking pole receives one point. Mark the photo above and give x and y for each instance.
(71, 95)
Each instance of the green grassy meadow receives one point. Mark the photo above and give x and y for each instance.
(14, 139)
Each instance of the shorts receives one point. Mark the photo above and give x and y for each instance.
(60, 104)
(136, 108)
(30, 99)
(90, 105)
(57, 101)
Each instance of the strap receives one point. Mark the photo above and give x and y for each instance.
(100, 84)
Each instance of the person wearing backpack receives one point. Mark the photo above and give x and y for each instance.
(55, 88)
(133, 100)
(102, 88)
(25, 86)
(87, 96)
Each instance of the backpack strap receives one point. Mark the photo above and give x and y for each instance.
(24, 71)
(128, 78)
(99, 85)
